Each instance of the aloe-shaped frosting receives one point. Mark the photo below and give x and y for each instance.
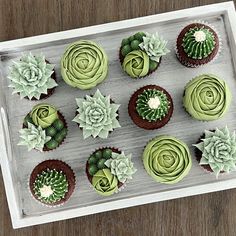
(31, 76)
(218, 150)
(97, 116)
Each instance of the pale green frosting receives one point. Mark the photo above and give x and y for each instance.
(167, 159)
(154, 45)
(43, 115)
(218, 150)
(136, 64)
(207, 97)
(31, 76)
(104, 182)
(84, 64)
(33, 137)
(97, 116)
(121, 166)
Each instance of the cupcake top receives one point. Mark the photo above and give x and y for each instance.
(97, 115)
(206, 97)
(31, 76)
(167, 159)
(84, 64)
(218, 149)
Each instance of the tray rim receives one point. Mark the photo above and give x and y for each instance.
(18, 220)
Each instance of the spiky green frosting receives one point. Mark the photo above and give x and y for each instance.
(97, 116)
(31, 76)
(218, 150)
(50, 186)
(152, 105)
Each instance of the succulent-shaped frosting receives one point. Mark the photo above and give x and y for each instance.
(31, 76)
(50, 186)
(152, 105)
(198, 42)
(155, 46)
(121, 166)
(218, 150)
(97, 116)
(33, 137)
(104, 182)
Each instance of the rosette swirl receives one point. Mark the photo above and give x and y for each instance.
(136, 63)
(207, 97)
(167, 159)
(84, 64)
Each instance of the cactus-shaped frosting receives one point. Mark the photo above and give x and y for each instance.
(31, 76)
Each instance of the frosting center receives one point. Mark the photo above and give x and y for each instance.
(46, 191)
(154, 103)
(200, 36)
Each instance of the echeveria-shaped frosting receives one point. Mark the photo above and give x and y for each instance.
(31, 76)
(121, 166)
(167, 159)
(104, 182)
(43, 115)
(84, 64)
(218, 150)
(136, 63)
(152, 105)
(97, 116)
(155, 46)
(50, 186)
(33, 137)
(207, 97)
(198, 42)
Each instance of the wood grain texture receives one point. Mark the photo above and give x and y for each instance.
(210, 214)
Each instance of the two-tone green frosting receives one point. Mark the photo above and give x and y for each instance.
(167, 159)
(152, 105)
(207, 97)
(84, 64)
(218, 150)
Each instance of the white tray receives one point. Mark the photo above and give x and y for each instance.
(17, 163)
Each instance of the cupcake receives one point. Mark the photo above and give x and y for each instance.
(84, 64)
(32, 77)
(141, 53)
(97, 115)
(216, 151)
(52, 182)
(206, 97)
(197, 44)
(167, 159)
(150, 107)
(108, 169)
(44, 128)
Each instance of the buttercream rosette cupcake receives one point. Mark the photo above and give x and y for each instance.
(96, 115)
(167, 159)
(32, 77)
(207, 97)
(44, 128)
(108, 169)
(84, 64)
(150, 107)
(197, 44)
(52, 182)
(216, 151)
(141, 53)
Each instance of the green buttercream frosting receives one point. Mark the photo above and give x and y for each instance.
(50, 186)
(31, 76)
(218, 150)
(104, 182)
(198, 42)
(136, 64)
(167, 159)
(84, 64)
(97, 116)
(207, 97)
(152, 105)
(43, 115)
